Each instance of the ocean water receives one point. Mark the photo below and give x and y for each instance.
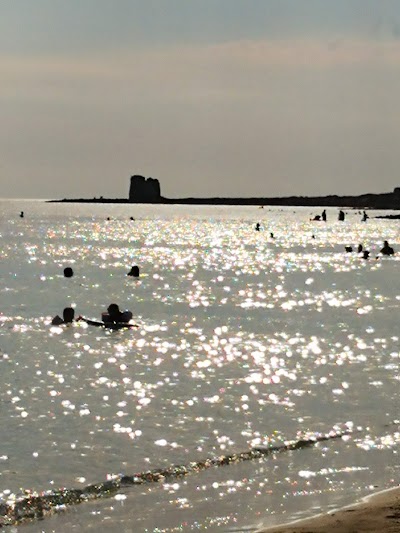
(244, 340)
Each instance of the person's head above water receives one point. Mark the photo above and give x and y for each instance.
(134, 271)
(387, 250)
(68, 272)
(113, 311)
(68, 315)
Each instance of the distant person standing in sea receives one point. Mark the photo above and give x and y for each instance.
(341, 216)
(387, 250)
(324, 215)
(134, 271)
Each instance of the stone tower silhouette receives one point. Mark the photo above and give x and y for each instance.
(144, 190)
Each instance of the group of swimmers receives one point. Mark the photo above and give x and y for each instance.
(258, 228)
(116, 318)
(113, 318)
(323, 217)
(134, 272)
(386, 250)
(341, 216)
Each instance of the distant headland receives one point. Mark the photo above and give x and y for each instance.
(148, 191)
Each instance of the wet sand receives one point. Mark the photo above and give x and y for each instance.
(379, 513)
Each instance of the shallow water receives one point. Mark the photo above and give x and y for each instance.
(244, 340)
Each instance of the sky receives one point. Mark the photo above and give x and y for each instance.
(211, 97)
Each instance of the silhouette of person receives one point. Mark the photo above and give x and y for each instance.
(258, 226)
(272, 235)
(323, 215)
(387, 250)
(348, 248)
(112, 319)
(21, 214)
(68, 272)
(365, 254)
(364, 217)
(114, 315)
(318, 217)
(68, 317)
(341, 216)
(134, 271)
(360, 248)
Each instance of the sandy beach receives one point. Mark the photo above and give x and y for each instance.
(379, 513)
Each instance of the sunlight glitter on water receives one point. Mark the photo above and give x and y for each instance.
(244, 340)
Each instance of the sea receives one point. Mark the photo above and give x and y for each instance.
(275, 340)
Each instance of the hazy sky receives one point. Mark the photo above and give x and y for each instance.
(212, 97)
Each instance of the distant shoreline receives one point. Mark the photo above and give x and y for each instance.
(364, 201)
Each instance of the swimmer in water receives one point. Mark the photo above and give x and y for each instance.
(134, 271)
(114, 315)
(112, 319)
(68, 317)
(387, 250)
(68, 272)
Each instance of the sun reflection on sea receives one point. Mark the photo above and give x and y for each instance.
(245, 340)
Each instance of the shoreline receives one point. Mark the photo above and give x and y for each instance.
(364, 201)
(376, 512)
